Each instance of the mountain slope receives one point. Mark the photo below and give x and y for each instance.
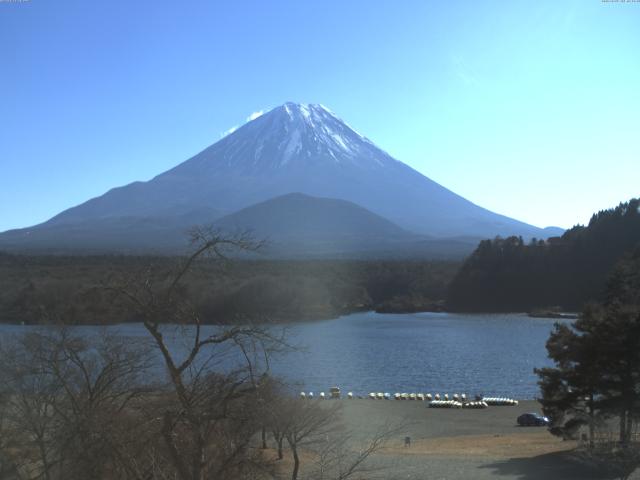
(292, 148)
(296, 215)
(295, 224)
(298, 225)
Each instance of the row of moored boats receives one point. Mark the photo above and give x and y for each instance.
(435, 401)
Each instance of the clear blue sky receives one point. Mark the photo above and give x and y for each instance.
(528, 108)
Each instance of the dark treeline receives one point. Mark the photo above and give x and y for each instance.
(595, 382)
(72, 289)
(507, 274)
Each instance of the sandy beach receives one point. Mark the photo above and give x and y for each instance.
(450, 444)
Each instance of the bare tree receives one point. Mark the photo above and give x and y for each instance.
(8, 467)
(66, 402)
(342, 457)
(76, 407)
(308, 423)
(29, 413)
(205, 422)
(314, 427)
(278, 422)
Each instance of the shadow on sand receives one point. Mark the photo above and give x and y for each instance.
(551, 466)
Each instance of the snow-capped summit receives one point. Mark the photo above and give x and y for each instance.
(301, 148)
(295, 135)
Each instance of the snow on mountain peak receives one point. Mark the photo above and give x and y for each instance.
(297, 135)
(319, 124)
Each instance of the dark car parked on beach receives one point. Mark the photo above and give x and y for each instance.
(532, 420)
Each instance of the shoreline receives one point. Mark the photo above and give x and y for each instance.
(286, 321)
(462, 443)
(290, 321)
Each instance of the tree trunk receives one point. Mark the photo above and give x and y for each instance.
(264, 438)
(45, 461)
(591, 420)
(176, 460)
(280, 455)
(199, 472)
(623, 426)
(296, 463)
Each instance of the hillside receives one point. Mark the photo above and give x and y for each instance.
(513, 275)
(296, 215)
(301, 225)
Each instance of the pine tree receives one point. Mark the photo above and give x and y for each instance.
(597, 359)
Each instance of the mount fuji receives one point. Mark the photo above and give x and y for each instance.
(294, 148)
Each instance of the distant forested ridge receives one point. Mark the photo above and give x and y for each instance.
(507, 274)
(74, 289)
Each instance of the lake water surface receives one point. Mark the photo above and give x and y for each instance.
(425, 352)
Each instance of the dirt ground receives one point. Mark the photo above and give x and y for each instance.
(451, 444)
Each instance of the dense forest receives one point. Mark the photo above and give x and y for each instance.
(507, 274)
(78, 289)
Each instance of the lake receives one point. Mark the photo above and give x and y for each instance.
(486, 354)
